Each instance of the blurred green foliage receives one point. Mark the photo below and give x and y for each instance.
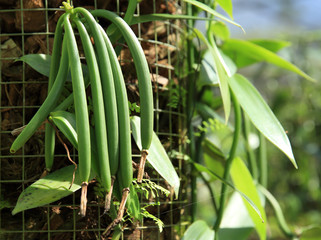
(297, 104)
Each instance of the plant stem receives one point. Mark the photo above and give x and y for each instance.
(212, 195)
(190, 110)
(237, 131)
(278, 212)
(250, 153)
(263, 161)
(199, 154)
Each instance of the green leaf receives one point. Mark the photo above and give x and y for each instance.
(223, 73)
(273, 45)
(39, 62)
(207, 72)
(157, 156)
(227, 6)
(48, 189)
(164, 17)
(220, 30)
(202, 168)
(243, 60)
(236, 222)
(311, 233)
(260, 114)
(199, 230)
(66, 122)
(243, 181)
(213, 12)
(259, 53)
(213, 158)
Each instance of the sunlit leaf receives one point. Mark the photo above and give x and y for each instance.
(39, 62)
(207, 72)
(223, 73)
(220, 30)
(259, 53)
(157, 156)
(273, 45)
(202, 168)
(236, 222)
(199, 230)
(243, 60)
(164, 17)
(227, 6)
(48, 189)
(242, 179)
(260, 114)
(212, 11)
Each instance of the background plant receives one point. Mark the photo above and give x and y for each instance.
(221, 57)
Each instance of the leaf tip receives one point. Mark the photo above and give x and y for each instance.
(294, 162)
(15, 211)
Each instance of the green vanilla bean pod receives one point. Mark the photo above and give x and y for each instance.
(54, 67)
(144, 82)
(47, 105)
(81, 110)
(108, 87)
(98, 107)
(125, 157)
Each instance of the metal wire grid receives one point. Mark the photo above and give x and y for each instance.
(28, 228)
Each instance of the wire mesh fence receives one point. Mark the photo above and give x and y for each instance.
(27, 27)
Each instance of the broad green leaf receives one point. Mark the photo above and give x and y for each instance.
(271, 44)
(66, 123)
(260, 114)
(236, 226)
(243, 60)
(223, 73)
(260, 53)
(164, 17)
(208, 74)
(220, 30)
(243, 181)
(39, 62)
(202, 168)
(157, 156)
(227, 6)
(213, 12)
(214, 159)
(311, 233)
(199, 230)
(48, 189)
